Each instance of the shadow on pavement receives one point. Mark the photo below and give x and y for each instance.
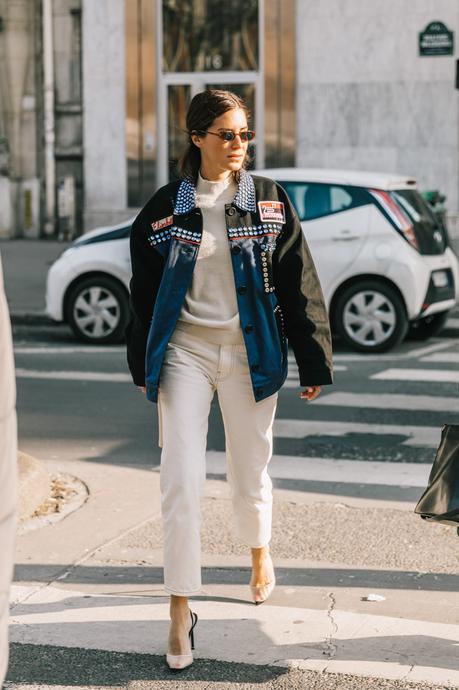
(299, 577)
(45, 665)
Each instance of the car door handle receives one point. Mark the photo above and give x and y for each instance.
(345, 238)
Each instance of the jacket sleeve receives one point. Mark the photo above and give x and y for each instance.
(300, 297)
(147, 268)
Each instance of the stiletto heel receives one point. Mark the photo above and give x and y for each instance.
(177, 662)
(191, 633)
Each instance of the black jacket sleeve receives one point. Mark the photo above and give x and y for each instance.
(147, 268)
(300, 297)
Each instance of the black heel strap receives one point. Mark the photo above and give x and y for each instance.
(194, 620)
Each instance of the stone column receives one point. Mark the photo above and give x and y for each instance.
(105, 176)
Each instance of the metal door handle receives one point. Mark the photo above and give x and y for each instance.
(345, 238)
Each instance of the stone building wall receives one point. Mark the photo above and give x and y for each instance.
(367, 100)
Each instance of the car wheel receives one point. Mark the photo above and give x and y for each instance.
(98, 310)
(370, 316)
(425, 328)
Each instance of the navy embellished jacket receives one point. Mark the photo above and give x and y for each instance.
(278, 292)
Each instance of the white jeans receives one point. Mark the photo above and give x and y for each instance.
(192, 371)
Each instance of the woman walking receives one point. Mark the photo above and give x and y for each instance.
(221, 278)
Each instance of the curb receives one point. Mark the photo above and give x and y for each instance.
(67, 493)
(44, 498)
(32, 319)
(34, 485)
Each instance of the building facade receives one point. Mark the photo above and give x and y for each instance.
(94, 96)
(366, 97)
(41, 133)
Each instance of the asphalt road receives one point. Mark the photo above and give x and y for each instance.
(383, 407)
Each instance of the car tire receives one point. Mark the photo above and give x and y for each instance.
(426, 328)
(98, 310)
(370, 316)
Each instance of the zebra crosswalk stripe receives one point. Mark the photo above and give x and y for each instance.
(341, 471)
(439, 357)
(424, 436)
(389, 401)
(433, 375)
(110, 377)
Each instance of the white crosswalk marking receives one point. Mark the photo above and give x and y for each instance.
(298, 428)
(446, 357)
(452, 323)
(113, 377)
(412, 353)
(346, 471)
(417, 352)
(438, 375)
(110, 377)
(68, 350)
(390, 401)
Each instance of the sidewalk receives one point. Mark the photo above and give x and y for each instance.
(25, 265)
(88, 602)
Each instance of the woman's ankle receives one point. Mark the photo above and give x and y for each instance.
(259, 554)
(179, 607)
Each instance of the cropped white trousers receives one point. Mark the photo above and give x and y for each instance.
(193, 369)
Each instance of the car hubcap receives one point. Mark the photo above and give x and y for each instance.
(369, 318)
(96, 312)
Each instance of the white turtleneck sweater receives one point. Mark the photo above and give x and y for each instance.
(210, 308)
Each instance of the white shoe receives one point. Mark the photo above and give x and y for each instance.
(177, 662)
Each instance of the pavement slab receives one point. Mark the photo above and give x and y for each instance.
(326, 530)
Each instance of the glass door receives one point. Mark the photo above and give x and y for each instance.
(178, 99)
(247, 93)
(206, 45)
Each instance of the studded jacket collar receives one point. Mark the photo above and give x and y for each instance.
(245, 198)
(278, 292)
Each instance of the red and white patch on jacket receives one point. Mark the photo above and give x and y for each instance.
(272, 210)
(163, 223)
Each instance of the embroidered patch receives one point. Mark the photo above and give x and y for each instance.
(164, 222)
(272, 210)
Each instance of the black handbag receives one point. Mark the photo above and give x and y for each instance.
(440, 500)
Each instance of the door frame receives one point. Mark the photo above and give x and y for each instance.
(197, 82)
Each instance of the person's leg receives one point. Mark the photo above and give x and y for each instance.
(185, 395)
(249, 443)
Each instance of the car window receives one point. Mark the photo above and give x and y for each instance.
(340, 199)
(314, 200)
(426, 226)
(414, 205)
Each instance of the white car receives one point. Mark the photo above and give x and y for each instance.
(382, 257)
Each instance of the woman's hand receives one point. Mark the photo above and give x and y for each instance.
(310, 393)
(144, 389)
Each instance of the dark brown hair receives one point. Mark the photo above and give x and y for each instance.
(204, 108)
